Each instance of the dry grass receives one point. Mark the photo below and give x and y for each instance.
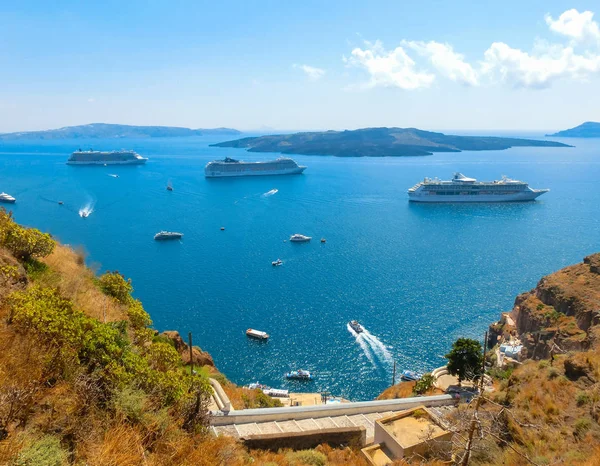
(405, 390)
(76, 282)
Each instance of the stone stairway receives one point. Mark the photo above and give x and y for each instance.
(303, 425)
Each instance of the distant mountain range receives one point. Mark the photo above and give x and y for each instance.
(110, 131)
(589, 129)
(378, 142)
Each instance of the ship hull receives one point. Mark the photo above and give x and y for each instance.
(524, 196)
(107, 162)
(250, 172)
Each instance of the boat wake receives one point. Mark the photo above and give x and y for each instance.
(375, 351)
(86, 210)
(113, 175)
(270, 193)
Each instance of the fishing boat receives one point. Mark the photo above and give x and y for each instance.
(300, 374)
(410, 375)
(169, 186)
(252, 333)
(354, 325)
(277, 263)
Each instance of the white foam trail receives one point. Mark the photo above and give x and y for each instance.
(377, 346)
(86, 210)
(270, 193)
(363, 344)
(114, 176)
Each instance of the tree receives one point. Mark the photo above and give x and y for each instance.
(465, 360)
(26, 243)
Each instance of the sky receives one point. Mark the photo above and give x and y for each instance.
(277, 65)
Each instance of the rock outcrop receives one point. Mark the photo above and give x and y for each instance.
(199, 357)
(561, 314)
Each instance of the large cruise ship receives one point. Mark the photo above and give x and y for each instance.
(232, 167)
(463, 189)
(96, 157)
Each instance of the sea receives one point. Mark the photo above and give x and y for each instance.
(415, 276)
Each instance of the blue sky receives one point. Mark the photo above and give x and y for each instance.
(300, 65)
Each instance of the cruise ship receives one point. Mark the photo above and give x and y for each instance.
(463, 189)
(96, 157)
(232, 167)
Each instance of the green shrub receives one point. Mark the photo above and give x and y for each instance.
(26, 243)
(543, 364)
(582, 398)
(553, 373)
(501, 373)
(138, 317)
(114, 284)
(46, 451)
(306, 457)
(424, 384)
(163, 356)
(582, 425)
(130, 403)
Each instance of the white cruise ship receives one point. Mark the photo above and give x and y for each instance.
(463, 189)
(232, 167)
(96, 157)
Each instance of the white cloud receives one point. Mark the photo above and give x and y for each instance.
(392, 68)
(91, 100)
(537, 69)
(521, 69)
(314, 74)
(580, 27)
(446, 61)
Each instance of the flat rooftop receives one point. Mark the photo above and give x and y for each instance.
(412, 427)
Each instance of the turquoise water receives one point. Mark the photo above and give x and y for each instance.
(416, 276)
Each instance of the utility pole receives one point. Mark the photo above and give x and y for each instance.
(394, 374)
(474, 421)
(191, 354)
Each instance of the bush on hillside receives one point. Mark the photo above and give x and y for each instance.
(45, 451)
(423, 385)
(28, 243)
(306, 457)
(114, 284)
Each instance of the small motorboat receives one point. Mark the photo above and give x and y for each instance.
(323, 240)
(410, 375)
(259, 335)
(169, 186)
(163, 235)
(84, 214)
(222, 228)
(277, 263)
(300, 374)
(354, 325)
(298, 238)
(256, 385)
(60, 202)
(7, 198)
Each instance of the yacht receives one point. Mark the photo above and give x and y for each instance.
(96, 157)
(463, 189)
(252, 333)
(300, 374)
(7, 198)
(298, 238)
(162, 235)
(233, 167)
(354, 325)
(277, 263)
(410, 375)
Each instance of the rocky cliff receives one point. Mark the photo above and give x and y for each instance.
(562, 313)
